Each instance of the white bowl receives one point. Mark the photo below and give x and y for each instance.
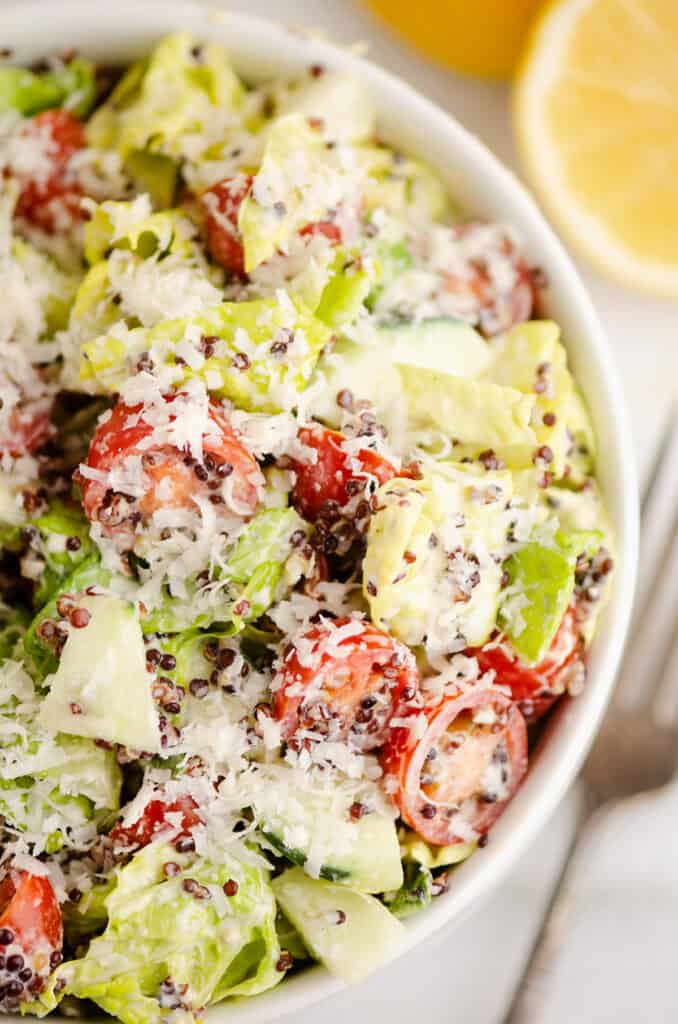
(123, 30)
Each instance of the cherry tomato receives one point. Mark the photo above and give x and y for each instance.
(341, 680)
(228, 474)
(337, 479)
(31, 936)
(159, 819)
(455, 768)
(535, 689)
(493, 304)
(327, 228)
(221, 204)
(28, 429)
(51, 199)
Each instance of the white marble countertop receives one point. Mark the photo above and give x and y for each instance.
(467, 975)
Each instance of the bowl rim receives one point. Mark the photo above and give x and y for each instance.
(259, 46)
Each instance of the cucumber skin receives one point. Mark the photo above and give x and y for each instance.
(299, 858)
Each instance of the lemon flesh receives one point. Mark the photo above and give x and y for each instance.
(596, 116)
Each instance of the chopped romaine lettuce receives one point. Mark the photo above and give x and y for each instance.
(38, 653)
(70, 85)
(532, 359)
(62, 543)
(581, 454)
(177, 942)
(402, 186)
(431, 571)
(173, 103)
(299, 181)
(541, 583)
(133, 226)
(339, 101)
(54, 289)
(13, 625)
(241, 368)
(414, 894)
(88, 916)
(50, 784)
(344, 293)
(258, 569)
(479, 414)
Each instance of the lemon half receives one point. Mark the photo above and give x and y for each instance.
(596, 117)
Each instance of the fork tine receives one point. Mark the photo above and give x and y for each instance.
(666, 702)
(659, 502)
(658, 524)
(655, 627)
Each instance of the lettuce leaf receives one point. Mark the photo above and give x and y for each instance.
(170, 102)
(71, 85)
(255, 379)
(164, 948)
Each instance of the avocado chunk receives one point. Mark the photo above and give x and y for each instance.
(101, 688)
(155, 174)
(349, 932)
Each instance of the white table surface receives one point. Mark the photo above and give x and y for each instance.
(468, 974)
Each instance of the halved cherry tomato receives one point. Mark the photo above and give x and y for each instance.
(535, 689)
(341, 680)
(228, 474)
(327, 228)
(159, 818)
(27, 430)
(31, 936)
(221, 204)
(50, 198)
(324, 488)
(494, 306)
(456, 766)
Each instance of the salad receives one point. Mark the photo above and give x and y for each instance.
(300, 532)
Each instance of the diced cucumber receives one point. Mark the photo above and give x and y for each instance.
(442, 344)
(349, 932)
(309, 829)
(101, 688)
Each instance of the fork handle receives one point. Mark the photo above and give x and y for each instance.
(528, 998)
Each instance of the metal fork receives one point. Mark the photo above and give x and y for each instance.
(637, 747)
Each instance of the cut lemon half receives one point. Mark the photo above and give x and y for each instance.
(596, 118)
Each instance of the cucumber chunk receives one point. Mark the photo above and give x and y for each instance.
(349, 932)
(310, 830)
(441, 344)
(101, 688)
